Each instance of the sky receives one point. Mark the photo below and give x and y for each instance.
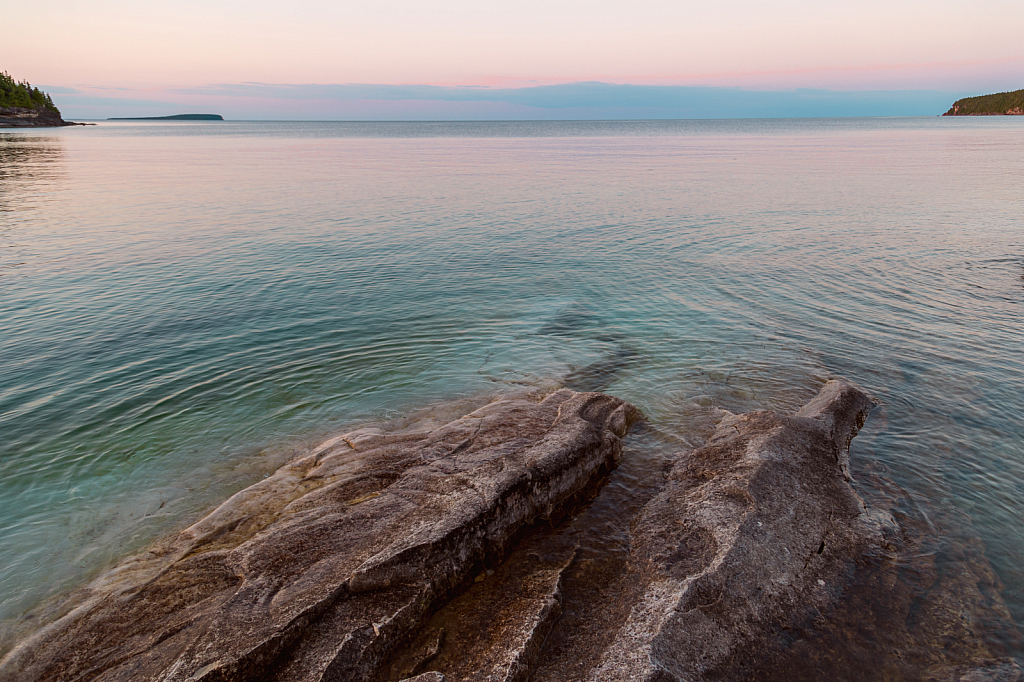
(450, 59)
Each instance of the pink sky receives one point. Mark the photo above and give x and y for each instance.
(152, 47)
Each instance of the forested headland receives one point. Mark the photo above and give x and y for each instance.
(999, 104)
(25, 106)
(23, 95)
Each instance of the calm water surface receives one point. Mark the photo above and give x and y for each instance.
(183, 306)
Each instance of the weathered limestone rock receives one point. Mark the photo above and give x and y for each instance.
(756, 560)
(497, 628)
(408, 555)
(318, 571)
(427, 677)
(753, 533)
(759, 561)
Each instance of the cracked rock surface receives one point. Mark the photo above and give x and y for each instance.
(318, 571)
(754, 559)
(753, 534)
(494, 548)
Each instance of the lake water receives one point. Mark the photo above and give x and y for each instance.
(183, 306)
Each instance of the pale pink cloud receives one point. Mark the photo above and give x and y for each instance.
(791, 43)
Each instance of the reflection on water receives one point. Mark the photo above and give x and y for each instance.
(36, 157)
(31, 168)
(185, 306)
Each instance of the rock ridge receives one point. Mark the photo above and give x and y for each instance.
(756, 560)
(451, 551)
(751, 534)
(33, 117)
(316, 572)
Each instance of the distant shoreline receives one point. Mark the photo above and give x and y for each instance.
(175, 117)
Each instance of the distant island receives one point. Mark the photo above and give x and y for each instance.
(1000, 104)
(176, 117)
(23, 106)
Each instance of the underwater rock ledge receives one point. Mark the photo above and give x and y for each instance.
(363, 561)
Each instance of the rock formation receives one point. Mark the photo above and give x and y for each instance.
(450, 553)
(757, 560)
(38, 117)
(747, 564)
(22, 105)
(319, 570)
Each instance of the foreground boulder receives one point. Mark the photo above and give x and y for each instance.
(318, 571)
(754, 533)
(755, 560)
(412, 554)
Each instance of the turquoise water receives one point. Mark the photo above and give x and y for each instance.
(185, 305)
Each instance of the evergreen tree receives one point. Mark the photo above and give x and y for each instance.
(15, 94)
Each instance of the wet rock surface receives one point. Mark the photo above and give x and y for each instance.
(754, 558)
(495, 547)
(760, 561)
(316, 572)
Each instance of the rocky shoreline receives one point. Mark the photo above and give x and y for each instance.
(23, 117)
(1016, 111)
(446, 551)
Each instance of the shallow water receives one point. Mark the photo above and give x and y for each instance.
(184, 305)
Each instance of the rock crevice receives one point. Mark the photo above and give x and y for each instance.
(455, 552)
(316, 572)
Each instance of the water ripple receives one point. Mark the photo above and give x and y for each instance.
(183, 307)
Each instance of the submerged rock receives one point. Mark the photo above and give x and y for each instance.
(318, 571)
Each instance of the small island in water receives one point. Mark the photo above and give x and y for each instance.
(1000, 104)
(176, 117)
(23, 106)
